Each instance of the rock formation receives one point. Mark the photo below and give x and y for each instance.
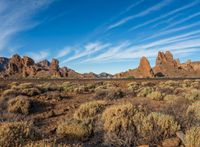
(145, 68)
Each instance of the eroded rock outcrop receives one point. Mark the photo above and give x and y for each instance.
(145, 68)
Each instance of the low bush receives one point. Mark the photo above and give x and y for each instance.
(10, 92)
(155, 95)
(164, 126)
(74, 129)
(192, 137)
(192, 95)
(89, 110)
(110, 93)
(124, 124)
(170, 98)
(15, 133)
(19, 104)
(143, 92)
(194, 109)
(30, 91)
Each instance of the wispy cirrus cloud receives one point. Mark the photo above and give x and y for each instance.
(87, 50)
(63, 52)
(16, 16)
(175, 11)
(143, 13)
(38, 56)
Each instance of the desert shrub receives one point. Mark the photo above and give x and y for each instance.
(170, 98)
(186, 83)
(110, 93)
(19, 104)
(148, 83)
(195, 84)
(155, 95)
(10, 92)
(30, 91)
(133, 86)
(194, 109)
(25, 85)
(68, 86)
(124, 124)
(168, 83)
(143, 92)
(15, 133)
(89, 110)
(46, 143)
(192, 137)
(13, 84)
(192, 95)
(164, 126)
(74, 129)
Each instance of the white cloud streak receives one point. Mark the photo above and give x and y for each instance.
(143, 13)
(16, 16)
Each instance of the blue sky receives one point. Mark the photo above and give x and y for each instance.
(100, 35)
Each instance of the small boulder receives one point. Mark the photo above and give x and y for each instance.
(171, 142)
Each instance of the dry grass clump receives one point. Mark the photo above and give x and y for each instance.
(192, 137)
(15, 133)
(10, 92)
(25, 86)
(89, 110)
(74, 129)
(110, 93)
(170, 98)
(124, 124)
(68, 86)
(143, 92)
(155, 95)
(194, 109)
(169, 83)
(19, 104)
(192, 95)
(133, 86)
(45, 143)
(30, 91)
(13, 84)
(164, 126)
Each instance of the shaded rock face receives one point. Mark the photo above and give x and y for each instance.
(3, 63)
(54, 65)
(44, 63)
(145, 68)
(15, 65)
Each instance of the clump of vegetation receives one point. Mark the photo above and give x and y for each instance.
(194, 109)
(15, 133)
(89, 110)
(13, 84)
(68, 86)
(155, 95)
(133, 86)
(164, 126)
(10, 92)
(124, 124)
(143, 92)
(192, 95)
(74, 129)
(19, 104)
(170, 98)
(192, 137)
(25, 86)
(110, 93)
(30, 91)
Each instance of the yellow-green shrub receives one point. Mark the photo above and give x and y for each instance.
(194, 109)
(164, 125)
(124, 124)
(74, 129)
(89, 110)
(19, 104)
(15, 133)
(143, 92)
(155, 95)
(170, 98)
(192, 137)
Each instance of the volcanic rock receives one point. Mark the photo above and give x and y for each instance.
(145, 68)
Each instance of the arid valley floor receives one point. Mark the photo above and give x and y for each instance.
(93, 113)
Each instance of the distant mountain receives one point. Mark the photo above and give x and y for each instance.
(166, 66)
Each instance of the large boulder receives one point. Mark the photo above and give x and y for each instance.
(3, 63)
